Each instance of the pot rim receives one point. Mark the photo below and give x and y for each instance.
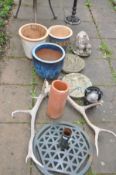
(30, 39)
(60, 81)
(55, 26)
(45, 61)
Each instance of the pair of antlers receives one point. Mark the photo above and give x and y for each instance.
(82, 109)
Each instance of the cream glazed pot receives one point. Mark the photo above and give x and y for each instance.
(32, 34)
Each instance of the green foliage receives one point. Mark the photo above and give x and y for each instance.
(5, 7)
(106, 51)
(33, 93)
(113, 75)
(2, 23)
(80, 122)
(33, 90)
(90, 172)
(114, 4)
(88, 3)
(115, 8)
(33, 77)
(3, 38)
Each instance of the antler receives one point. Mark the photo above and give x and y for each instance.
(32, 113)
(96, 129)
(81, 109)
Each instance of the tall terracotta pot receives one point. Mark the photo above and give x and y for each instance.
(57, 98)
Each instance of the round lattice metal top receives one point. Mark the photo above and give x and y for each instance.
(75, 160)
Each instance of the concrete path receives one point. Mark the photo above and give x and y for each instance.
(18, 82)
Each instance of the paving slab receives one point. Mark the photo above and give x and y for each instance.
(106, 112)
(96, 53)
(24, 10)
(24, 2)
(16, 78)
(106, 161)
(101, 10)
(111, 29)
(13, 149)
(16, 71)
(88, 27)
(13, 98)
(112, 45)
(61, 9)
(15, 24)
(98, 71)
(114, 64)
(15, 48)
(60, 12)
(13, 28)
(35, 171)
(69, 115)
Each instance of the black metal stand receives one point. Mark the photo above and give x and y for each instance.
(19, 5)
(55, 17)
(35, 9)
(73, 19)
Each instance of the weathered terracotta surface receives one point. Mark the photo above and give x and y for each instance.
(48, 54)
(57, 99)
(33, 32)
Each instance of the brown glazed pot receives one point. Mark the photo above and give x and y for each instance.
(57, 99)
(60, 34)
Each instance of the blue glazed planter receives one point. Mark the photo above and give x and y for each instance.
(49, 70)
(60, 35)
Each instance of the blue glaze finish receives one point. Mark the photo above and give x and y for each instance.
(48, 69)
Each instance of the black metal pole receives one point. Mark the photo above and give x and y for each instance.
(73, 19)
(19, 5)
(50, 4)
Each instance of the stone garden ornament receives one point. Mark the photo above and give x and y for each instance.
(73, 63)
(82, 44)
(33, 112)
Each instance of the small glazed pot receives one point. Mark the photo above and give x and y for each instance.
(57, 99)
(92, 95)
(60, 34)
(48, 59)
(32, 34)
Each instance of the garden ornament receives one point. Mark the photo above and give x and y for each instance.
(78, 83)
(33, 112)
(73, 63)
(92, 95)
(83, 47)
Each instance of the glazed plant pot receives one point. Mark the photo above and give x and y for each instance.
(57, 99)
(31, 35)
(60, 34)
(48, 59)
